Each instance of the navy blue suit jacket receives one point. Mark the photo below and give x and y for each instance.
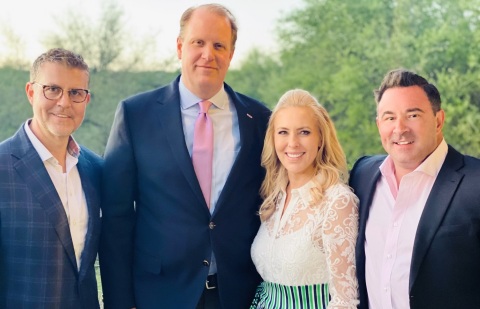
(445, 268)
(38, 268)
(153, 255)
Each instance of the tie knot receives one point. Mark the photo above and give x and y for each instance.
(204, 106)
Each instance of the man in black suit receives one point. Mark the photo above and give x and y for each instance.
(419, 238)
(163, 244)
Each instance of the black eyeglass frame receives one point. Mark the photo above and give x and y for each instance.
(62, 90)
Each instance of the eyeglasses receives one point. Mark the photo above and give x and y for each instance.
(55, 93)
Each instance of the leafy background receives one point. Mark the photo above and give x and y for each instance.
(339, 51)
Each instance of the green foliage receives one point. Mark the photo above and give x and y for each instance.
(14, 57)
(461, 103)
(15, 106)
(108, 89)
(106, 43)
(256, 68)
(340, 51)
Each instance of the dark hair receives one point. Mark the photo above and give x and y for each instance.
(61, 56)
(405, 78)
(215, 8)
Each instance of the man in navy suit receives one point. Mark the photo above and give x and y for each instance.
(419, 238)
(163, 245)
(50, 194)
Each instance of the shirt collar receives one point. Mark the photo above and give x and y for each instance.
(431, 166)
(73, 148)
(188, 99)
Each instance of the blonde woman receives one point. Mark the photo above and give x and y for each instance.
(304, 249)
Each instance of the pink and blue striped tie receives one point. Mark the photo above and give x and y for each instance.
(202, 153)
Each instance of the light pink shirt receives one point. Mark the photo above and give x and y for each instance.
(391, 228)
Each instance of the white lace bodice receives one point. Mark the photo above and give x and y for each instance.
(312, 244)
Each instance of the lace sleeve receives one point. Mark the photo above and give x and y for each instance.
(340, 230)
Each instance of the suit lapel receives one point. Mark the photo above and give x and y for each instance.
(443, 190)
(369, 188)
(246, 124)
(31, 168)
(85, 170)
(170, 124)
(365, 187)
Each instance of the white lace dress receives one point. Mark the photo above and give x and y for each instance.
(307, 256)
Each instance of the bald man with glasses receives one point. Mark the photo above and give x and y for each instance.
(50, 194)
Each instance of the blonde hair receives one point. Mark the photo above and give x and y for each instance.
(330, 163)
(216, 8)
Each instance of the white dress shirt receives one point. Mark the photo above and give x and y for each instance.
(69, 189)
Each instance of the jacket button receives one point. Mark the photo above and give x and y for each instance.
(211, 225)
(205, 263)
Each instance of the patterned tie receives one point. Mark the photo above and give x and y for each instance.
(202, 154)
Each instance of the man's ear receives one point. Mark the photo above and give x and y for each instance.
(179, 48)
(30, 92)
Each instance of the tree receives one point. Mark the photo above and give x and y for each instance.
(106, 44)
(340, 52)
(14, 56)
(110, 35)
(256, 68)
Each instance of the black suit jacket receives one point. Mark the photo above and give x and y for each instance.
(156, 255)
(445, 268)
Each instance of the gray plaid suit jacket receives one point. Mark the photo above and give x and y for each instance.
(38, 268)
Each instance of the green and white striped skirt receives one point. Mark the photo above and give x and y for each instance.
(276, 296)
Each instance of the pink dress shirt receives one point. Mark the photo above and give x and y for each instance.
(391, 228)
